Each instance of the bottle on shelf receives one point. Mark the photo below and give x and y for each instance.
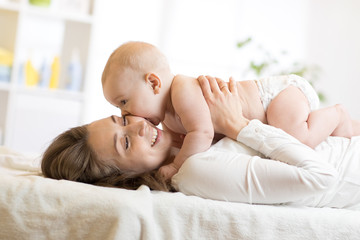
(45, 74)
(55, 72)
(32, 76)
(6, 60)
(74, 71)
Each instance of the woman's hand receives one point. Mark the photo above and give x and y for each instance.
(224, 105)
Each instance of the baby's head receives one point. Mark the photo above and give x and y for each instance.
(137, 79)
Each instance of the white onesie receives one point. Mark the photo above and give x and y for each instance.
(270, 87)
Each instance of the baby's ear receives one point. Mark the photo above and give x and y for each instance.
(154, 81)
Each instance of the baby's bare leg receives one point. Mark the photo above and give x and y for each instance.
(345, 126)
(290, 111)
(356, 127)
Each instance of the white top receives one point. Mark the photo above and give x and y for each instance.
(268, 166)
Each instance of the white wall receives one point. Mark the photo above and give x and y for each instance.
(117, 21)
(333, 43)
(200, 36)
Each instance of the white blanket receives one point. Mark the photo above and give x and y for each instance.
(33, 207)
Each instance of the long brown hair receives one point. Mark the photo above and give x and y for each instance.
(70, 157)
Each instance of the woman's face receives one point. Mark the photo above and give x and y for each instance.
(131, 143)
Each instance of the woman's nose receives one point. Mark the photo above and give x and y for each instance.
(138, 128)
(124, 112)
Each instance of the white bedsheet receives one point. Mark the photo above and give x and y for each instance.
(33, 207)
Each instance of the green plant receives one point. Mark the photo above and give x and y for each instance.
(267, 65)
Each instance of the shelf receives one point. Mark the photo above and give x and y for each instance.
(45, 41)
(57, 14)
(4, 86)
(11, 6)
(48, 12)
(52, 93)
(43, 92)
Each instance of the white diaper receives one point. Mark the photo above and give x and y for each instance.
(270, 87)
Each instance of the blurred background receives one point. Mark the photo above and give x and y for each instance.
(52, 52)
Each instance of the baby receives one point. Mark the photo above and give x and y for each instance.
(137, 79)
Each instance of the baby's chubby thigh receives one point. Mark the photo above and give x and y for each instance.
(289, 110)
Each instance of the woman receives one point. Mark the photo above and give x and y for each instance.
(256, 163)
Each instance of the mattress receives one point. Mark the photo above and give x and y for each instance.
(34, 207)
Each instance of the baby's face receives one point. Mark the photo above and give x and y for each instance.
(128, 90)
(129, 142)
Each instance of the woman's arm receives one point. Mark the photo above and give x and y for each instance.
(240, 172)
(233, 171)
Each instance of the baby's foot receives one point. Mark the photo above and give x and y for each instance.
(356, 127)
(345, 127)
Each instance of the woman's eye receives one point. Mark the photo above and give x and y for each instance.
(123, 102)
(126, 142)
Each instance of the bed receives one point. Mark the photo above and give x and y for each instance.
(34, 207)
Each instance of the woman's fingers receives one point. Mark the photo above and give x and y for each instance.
(222, 85)
(205, 86)
(217, 85)
(232, 86)
(211, 85)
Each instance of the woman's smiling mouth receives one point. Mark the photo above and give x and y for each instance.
(155, 136)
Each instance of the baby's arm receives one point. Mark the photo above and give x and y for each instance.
(177, 139)
(191, 107)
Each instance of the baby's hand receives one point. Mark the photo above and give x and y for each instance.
(167, 171)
